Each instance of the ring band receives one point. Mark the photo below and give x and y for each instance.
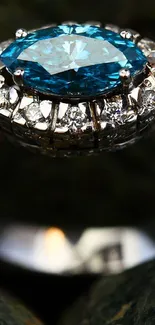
(77, 89)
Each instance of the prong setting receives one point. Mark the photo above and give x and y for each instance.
(20, 33)
(18, 76)
(126, 34)
(125, 75)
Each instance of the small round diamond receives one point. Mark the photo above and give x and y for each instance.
(8, 100)
(148, 101)
(147, 46)
(112, 111)
(75, 118)
(115, 113)
(33, 112)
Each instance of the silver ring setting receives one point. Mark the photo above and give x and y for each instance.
(68, 125)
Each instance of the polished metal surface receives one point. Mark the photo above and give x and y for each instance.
(21, 33)
(126, 34)
(18, 77)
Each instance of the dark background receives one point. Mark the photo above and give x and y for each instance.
(108, 190)
(34, 13)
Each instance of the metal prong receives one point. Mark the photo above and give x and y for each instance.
(125, 74)
(126, 34)
(125, 77)
(18, 77)
(20, 33)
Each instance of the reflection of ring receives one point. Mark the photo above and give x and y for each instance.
(73, 88)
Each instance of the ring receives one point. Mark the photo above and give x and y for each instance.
(77, 89)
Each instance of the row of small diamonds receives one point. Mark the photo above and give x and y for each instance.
(45, 115)
(42, 115)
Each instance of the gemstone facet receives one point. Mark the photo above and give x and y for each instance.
(33, 112)
(73, 60)
(75, 118)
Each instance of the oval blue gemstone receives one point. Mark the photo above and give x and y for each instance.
(73, 61)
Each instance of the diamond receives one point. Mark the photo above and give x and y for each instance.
(4, 96)
(148, 101)
(73, 60)
(33, 112)
(146, 45)
(74, 118)
(114, 112)
(13, 95)
(36, 113)
(8, 100)
(17, 118)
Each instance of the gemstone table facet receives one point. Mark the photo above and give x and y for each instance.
(73, 61)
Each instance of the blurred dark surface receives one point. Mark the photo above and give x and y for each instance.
(12, 311)
(111, 189)
(128, 298)
(18, 13)
(47, 296)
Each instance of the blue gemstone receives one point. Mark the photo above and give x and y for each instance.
(73, 61)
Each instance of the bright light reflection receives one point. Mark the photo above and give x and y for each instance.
(53, 251)
(108, 250)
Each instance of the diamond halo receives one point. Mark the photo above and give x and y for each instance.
(58, 127)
